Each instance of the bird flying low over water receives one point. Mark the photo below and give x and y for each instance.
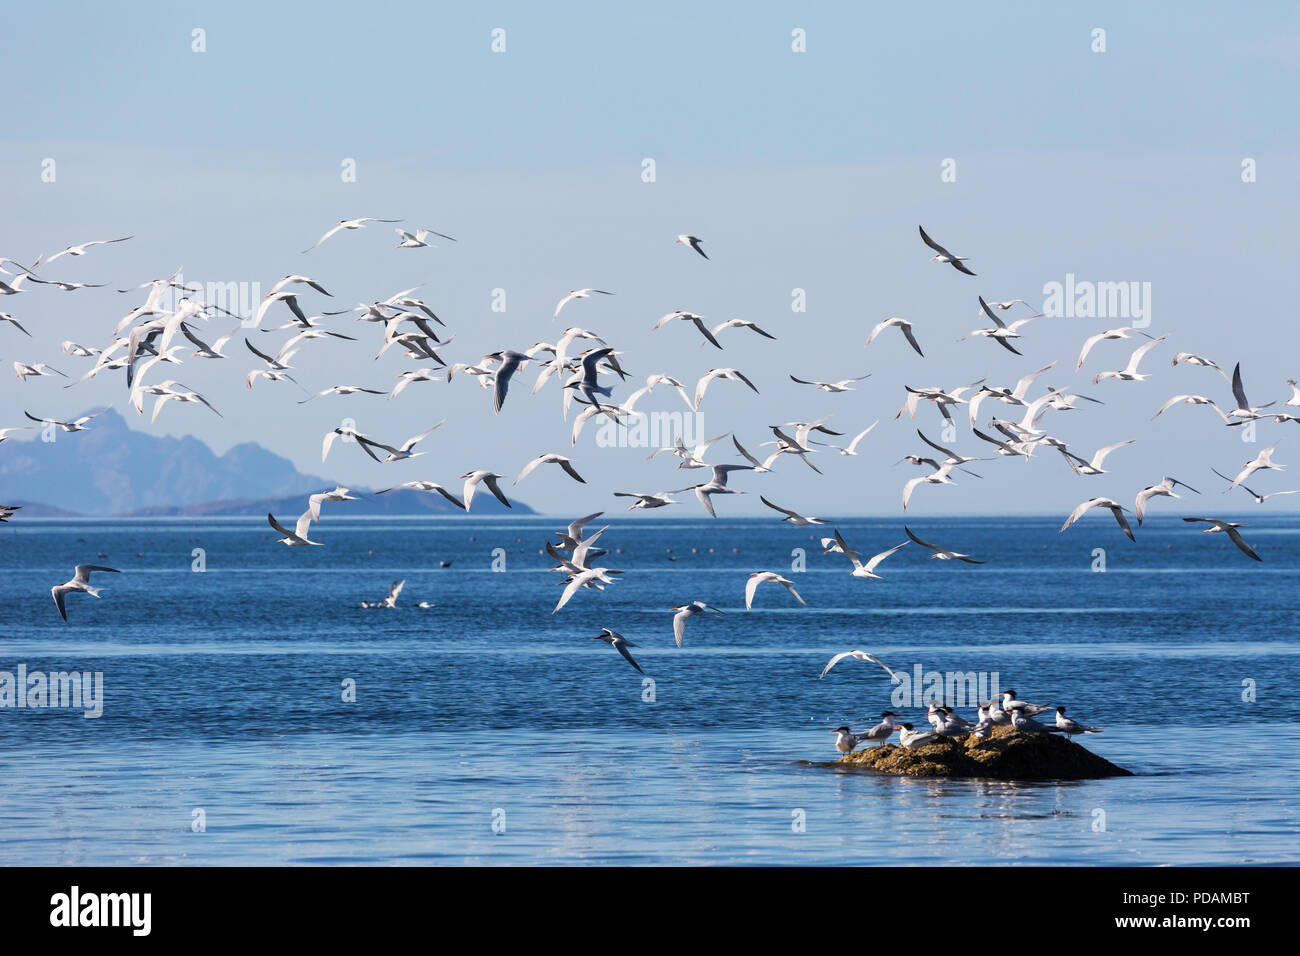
(1229, 528)
(858, 656)
(943, 554)
(620, 644)
(298, 536)
(80, 582)
(684, 613)
(1114, 507)
(762, 577)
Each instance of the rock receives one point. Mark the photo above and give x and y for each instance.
(1006, 755)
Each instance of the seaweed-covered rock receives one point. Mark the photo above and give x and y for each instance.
(1007, 754)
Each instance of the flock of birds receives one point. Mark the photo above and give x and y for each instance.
(588, 369)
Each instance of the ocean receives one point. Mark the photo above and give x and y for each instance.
(254, 714)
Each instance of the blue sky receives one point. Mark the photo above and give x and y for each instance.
(801, 170)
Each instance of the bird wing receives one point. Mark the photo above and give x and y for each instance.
(1240, 542)
(924, 544)
(846, 550)
(491, 482)
(907, 332)
(679, 626)
(785, 511)
(279, 527)
(871, 565)
(82, 572)
(750, 587)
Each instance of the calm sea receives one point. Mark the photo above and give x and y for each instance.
(488, 730)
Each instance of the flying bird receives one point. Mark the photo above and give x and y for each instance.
(1115, 508)
(691, 241)
(620, 644)
(903, 325)
(957, 262)
(1229, 528)
(858, 656)
(80, 582)
(348, 224)
(764, 577)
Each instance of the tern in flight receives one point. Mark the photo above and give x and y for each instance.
(1093, 467)
(348, 224)
(793, 517)
(943, 554)
(661, 499)
(1115, 508)
(684, 613)
(586, 578)
(1130, 372)
(1070, 726)
(697, 320)
(1230, 528)
(733, 374)
(1188, 400)
(859, 656)
(296, 537)
(78, 425)
(765, 577)
(691, 241)
(717, 485)
(342, 390)
(300, 280)
(37, 368)
(739, 324)
(418, 241)
(426, 486)
(338, 494)
(1192, 359)
(852, 447)
(1260, 462)
(897, 323)
(957, 262)
(404, 452)
(1089, 342)
(867, 570)
(1165, 489)
(474, 478)
(841, 386)
(1001, 331)
(937, 477)
(1259, 499)
(80, 582)
(577, 294)
(620, 644)
(80, 250)
(1244, 412)
(551, 459)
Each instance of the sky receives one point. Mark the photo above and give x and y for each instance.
(1009, 133)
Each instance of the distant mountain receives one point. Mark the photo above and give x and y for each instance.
(287, 508)
(111, 469)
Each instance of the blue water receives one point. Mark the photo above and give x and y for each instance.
(223, 691)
